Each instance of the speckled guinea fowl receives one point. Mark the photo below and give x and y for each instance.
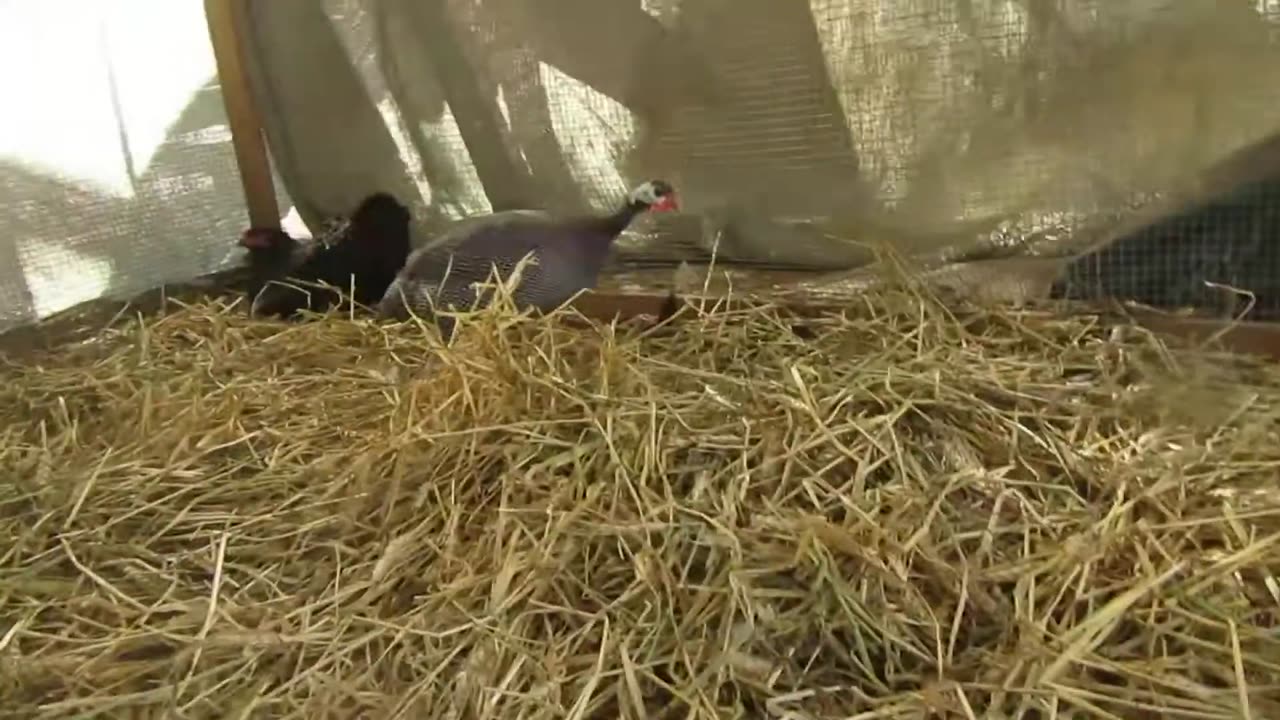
(569, 252)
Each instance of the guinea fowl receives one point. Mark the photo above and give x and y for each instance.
(368, 251)
(568, 254)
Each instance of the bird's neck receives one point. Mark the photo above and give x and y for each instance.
(617, 221)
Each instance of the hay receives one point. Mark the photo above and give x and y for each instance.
(207, 516)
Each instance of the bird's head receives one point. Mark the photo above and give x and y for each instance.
(381, 211)
(266, 240)
(380, 225)
(655, 196)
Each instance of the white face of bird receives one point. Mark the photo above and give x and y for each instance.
(656, 195)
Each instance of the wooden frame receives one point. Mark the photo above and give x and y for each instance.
(227, 20)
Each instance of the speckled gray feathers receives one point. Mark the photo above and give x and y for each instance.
(444, 275)
(567, 256)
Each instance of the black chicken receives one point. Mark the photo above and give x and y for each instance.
(367, 252)
(271, 255)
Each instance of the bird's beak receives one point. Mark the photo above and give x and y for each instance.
(666, 203)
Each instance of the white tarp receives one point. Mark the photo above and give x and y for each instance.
(793, 127)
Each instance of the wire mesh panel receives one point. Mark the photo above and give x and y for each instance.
(1222, 255)
(800, 135)
(116, 168)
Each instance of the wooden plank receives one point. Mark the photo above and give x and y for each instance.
(1248, 338)
(1245, 338)
(1242, 338)
(227, 20)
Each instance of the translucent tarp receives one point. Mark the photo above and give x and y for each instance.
(799, 134)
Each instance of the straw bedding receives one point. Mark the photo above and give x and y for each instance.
(910, 514)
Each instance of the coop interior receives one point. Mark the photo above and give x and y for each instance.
(948, 391)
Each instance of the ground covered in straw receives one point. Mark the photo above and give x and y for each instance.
(905, 515)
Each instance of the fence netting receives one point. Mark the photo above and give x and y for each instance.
(1016, 135)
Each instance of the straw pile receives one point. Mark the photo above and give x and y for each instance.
(910, 515)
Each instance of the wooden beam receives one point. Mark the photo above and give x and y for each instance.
(227, 20)
(1244, 338)
(1241, 338)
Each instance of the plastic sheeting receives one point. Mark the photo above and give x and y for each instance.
(799, 134)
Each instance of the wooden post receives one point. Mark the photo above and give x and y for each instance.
(227, 20)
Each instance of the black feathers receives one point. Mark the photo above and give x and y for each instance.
(367, 253)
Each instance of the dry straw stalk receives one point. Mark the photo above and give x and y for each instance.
(911, 512)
